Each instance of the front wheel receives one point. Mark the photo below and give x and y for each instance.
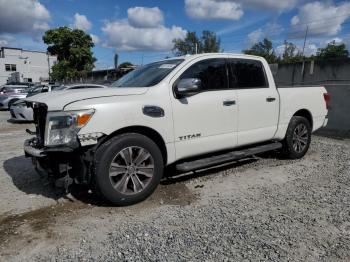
(298, 138)
(128, 169)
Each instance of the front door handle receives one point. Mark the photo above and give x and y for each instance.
(270, 99)
(229, 102)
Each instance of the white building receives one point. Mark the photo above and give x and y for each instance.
(21, 65)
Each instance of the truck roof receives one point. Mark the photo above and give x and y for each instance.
(234, 55)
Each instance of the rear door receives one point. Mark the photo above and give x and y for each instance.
(258, 101)
(207, 121)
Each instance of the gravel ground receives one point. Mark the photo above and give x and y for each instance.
(259, 209)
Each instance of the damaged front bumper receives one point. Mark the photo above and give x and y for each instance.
(31, 151)
(60, 162)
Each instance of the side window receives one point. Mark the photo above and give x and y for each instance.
(247, 74)
(211, 72)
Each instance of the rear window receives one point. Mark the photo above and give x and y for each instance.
(247, 74)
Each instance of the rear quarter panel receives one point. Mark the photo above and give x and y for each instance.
(294, 99)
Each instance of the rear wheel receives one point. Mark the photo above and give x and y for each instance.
(298, 138)
(128, 169)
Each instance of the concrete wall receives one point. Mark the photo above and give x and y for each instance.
(335, 76)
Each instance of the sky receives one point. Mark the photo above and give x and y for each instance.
(143, 31)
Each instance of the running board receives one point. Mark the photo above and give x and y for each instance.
(227, 157)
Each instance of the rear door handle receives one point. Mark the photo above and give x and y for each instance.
(270, 99)
(229, 102)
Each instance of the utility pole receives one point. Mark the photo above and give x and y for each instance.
(303, 67)
(196, 48)
(306, 33)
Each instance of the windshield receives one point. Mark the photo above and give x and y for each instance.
(36, 89)
(148, 75)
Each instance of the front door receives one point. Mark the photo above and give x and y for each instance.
(206, 121)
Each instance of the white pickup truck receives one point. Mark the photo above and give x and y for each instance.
(189, 112)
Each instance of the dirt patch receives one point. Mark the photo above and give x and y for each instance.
(171, 194)
(34, 222)
(10, 127)
(39, 223)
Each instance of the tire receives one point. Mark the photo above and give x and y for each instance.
(123, 180)
(298, 138)
(11, 102)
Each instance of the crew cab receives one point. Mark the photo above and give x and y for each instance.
(190, 112)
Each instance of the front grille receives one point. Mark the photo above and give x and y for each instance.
(39, 113)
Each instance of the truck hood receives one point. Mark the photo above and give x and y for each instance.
(57, 100)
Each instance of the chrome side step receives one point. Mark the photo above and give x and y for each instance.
(227, 157)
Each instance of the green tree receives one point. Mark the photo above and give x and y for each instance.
(291, 53)
(264, 49)
(210, 43)
(125, 65)
(73, 50)
(332, 51)
(207, 43)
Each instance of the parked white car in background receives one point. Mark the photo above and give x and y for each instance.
(19, 110)
(190, 112)
(9, 94)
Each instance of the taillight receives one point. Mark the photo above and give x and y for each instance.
(327, 99)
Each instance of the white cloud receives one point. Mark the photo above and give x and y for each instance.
(81, 22)
(310, 49)
(124, 37)
(255, 36)
(234, 9)
(95, 39)
(41, 26)
(270, 30)
(129, 35)
(5, 40)
(322, 18)
(213, 9)
(145, 17)
(23, 16)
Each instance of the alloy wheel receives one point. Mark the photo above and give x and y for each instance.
(131, 170)
(300, 138)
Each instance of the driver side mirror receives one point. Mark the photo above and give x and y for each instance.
(188, 87)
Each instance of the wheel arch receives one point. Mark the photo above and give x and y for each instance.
(11, 101)
(142, 130)
(306, 114)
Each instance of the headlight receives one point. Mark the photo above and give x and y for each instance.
(62, 127)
